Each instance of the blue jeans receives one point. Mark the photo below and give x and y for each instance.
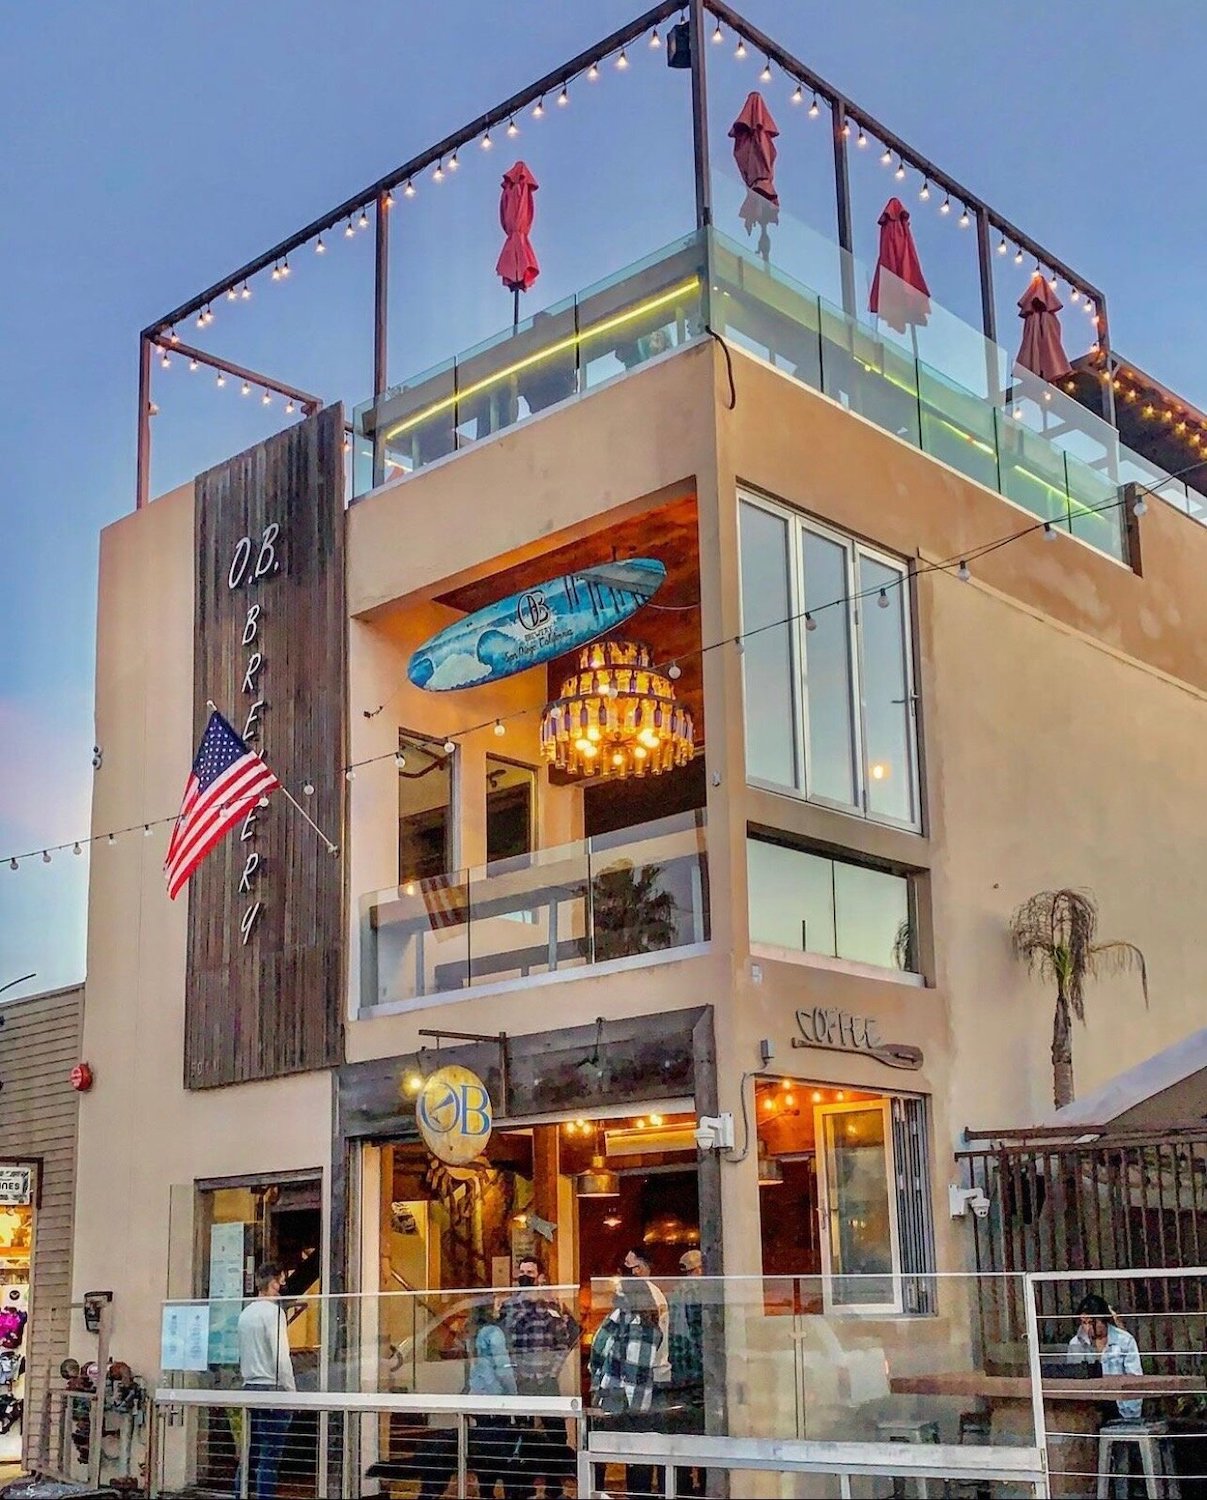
(267, 1439)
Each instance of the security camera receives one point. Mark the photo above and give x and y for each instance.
(715, 1133)
(98, 756)
(960, 1200)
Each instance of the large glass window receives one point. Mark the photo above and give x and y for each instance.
(827, 667)
(510, 809)
(815, 904)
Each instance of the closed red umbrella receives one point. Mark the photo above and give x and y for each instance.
(900, 294)
(1041, 350)
(753, 134)
(517, 263)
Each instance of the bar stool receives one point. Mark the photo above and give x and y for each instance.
(910, 1432)
(1156, 1457)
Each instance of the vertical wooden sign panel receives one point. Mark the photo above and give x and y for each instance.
(266, 908)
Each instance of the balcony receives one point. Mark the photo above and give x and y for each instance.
(638, 895)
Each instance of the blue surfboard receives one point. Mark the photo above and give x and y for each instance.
(533, 626)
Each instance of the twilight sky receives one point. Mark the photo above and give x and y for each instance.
(147, 149)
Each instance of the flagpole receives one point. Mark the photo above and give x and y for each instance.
(289, 797)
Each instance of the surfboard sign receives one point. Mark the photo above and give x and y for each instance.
(533, 626)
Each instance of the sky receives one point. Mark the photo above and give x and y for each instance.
(147, 149)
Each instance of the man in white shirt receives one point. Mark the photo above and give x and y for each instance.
(265, 1365)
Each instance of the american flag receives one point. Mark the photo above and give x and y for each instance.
(227, 780)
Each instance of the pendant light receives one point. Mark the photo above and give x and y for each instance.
(599, 1181)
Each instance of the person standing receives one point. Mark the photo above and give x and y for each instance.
(494, 1441)
(540, 1334)
(686, 1323)
(636, 1264)
(1099, 1337)
(624, 1355)
(265, 1364)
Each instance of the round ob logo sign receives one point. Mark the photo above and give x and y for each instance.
(454, 1115)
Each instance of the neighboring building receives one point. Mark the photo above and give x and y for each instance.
(803, 926)
(39, 1112)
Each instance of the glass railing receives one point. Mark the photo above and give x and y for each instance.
(641, 890)
(653, 306)
(968, 405)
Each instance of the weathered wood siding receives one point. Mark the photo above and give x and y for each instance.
(39, 1110)
(265, 962)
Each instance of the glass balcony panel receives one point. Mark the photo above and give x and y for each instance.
(791, 897)
(658, 305)
(1096, 514)
(871, 915)
(414, 424)
(516, 373)
(415, 941)
(649, 888)
(864, 373)
(528, 915)
(765, 312)
(1032, 471)
(958, 428)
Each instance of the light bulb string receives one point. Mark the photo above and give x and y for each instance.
(951, 565)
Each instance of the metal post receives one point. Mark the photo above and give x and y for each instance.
(381, 292)
(842, 193)
(97, 1425)
(142, 484)
(988, 309)
(462, 1451)
(1103, 340)
(1036, 1371)
(699, 42)
(244, 1453)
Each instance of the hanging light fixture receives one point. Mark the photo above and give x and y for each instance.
(616, 716)
(599, 1181)
(771, 1174)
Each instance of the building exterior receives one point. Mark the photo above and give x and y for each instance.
(39, 1111)
(886, 733)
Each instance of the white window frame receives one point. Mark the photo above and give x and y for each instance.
(798, 526)
(826, 1211)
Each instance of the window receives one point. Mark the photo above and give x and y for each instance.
(844, 1197)
(510, 801)
(425, 798)
(827, 667)
(815, 904)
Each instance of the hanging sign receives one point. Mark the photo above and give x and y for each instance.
(534, 626)
(454, 1115)
(16, 1186)
(834, 1030)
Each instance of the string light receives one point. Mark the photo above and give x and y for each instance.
(810, 622)
(265, 398)
(1049, 532)
(409, 190)
(361, 223)
(1074, 295)
(593, 73)
(285, 266)
(963, 572)
(622, 61)
(75, 848)
(512, 128)
(246, 292)
(945, 206)
(899, 174)
(349, 232)
(246, 391)
(231, 294)
(1018, 256)
(718, 35)
(45, 856)
(438, 172)
(655, 39)
(500, 727)
(886, 156)
(1001, 245)
(289, 407)
(146, 830)
(487, 143)
(319, 247)
(164, 362)
(221, 381)
(674, 671)
(449, 747)
(846, 128)
(110, 840)
(276, 273)
(193, 364)
(12, 864)
(564, 97)
(173, 337)
(538, 109)
(882, 601)
(964, 220)
(925, 193)
(861, 139)
(814, 108)
(765, 75)
(799, 95)
(389, 198)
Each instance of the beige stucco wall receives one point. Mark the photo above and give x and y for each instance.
(141, 1134)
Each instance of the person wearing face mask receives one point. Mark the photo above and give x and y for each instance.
(540, 1334)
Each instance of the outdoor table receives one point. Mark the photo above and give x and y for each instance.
(1071, 1408)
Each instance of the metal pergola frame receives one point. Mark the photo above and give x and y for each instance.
(380, 195)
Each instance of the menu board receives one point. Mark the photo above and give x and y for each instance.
(184, 1336)
(226, 1292)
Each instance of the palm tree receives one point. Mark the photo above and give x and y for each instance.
(1054, 934)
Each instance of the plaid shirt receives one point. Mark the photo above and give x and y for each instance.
(624, 1354)
(539, 1335)
(687, 1337)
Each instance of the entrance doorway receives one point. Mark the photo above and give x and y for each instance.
(576, 1194)
(17, 1228)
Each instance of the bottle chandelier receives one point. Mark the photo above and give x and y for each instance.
(616, 717)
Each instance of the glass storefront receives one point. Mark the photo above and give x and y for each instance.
(16, 1263)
